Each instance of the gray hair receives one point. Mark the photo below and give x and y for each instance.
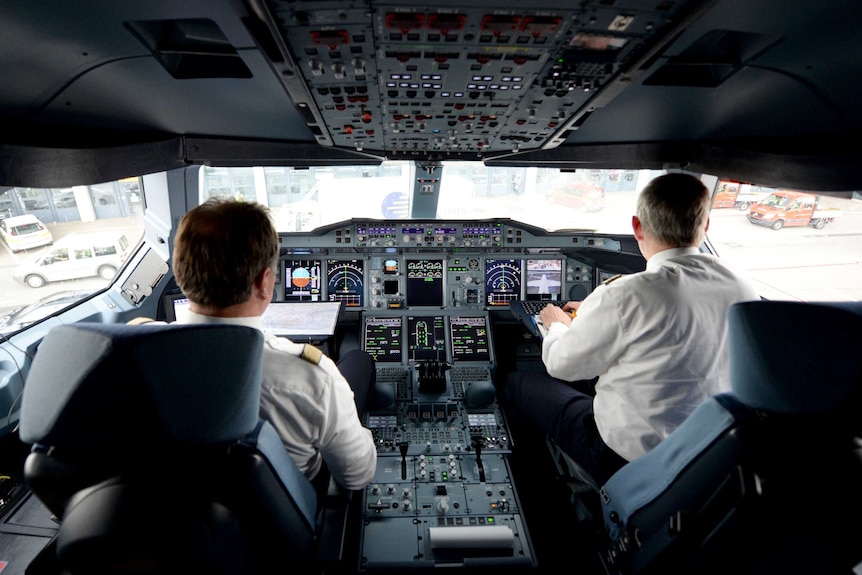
(674, 209)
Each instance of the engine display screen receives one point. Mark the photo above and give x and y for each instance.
(424, 283)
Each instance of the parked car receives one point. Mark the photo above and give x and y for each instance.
(20, 317)
(24, 232)
(76, 256)
(581, 196)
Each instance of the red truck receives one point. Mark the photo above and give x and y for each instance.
(785, 208)
(731, 194)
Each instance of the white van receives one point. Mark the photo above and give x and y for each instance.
(76, 256)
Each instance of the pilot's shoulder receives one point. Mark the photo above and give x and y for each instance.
(612, 279)
(311, 354)
(303, 351)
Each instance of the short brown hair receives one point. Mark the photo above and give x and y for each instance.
(674, 208)
(220, 249)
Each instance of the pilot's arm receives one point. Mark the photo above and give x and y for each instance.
(311, 406)
(346, 446)
(584, 348)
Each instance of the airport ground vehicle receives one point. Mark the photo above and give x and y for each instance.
(78, 255)
(737, 195)
(24, 232)
(264, 99)
(584, 197)
(789, 209)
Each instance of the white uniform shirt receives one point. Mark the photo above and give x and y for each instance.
(311, 407)
(657, 339)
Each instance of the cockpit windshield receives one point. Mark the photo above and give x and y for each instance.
(791, 256)
(548, 198)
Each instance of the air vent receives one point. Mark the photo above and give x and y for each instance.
(711, 60)
(190, 48)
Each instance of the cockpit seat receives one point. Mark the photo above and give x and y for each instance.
(148, 448)
(763, 479)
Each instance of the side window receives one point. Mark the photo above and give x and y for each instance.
(78, 222)
(105, 250)
(58, 255)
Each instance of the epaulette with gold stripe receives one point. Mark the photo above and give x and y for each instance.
(311, 354)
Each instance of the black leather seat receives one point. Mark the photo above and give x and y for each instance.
(148, 448)
(765, 479)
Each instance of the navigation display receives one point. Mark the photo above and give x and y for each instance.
(345, 281)
(469, 336)
(424, 283)
(502, 281)
(383, 338)
(302, 280)
(426, 338)
(544, 279)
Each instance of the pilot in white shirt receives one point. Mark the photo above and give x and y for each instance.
(310, 404)
(659, 340)
(643, 350)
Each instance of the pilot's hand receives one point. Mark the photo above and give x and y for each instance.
(572, 307)
(551, 313)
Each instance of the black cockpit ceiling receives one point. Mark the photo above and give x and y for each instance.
(590, 84)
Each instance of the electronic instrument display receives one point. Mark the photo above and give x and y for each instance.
(426, 338)
(502, 281)
(424, 285)
(383, 337)
(302, 280)
(176, 307)
(544, 279)
(345, 281)
(469, 337)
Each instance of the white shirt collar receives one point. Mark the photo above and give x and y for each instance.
(658, 259)
(255, 321)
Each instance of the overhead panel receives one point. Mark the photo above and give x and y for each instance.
(462, 80)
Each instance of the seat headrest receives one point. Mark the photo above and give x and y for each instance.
(796, 357)
(102, 386)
